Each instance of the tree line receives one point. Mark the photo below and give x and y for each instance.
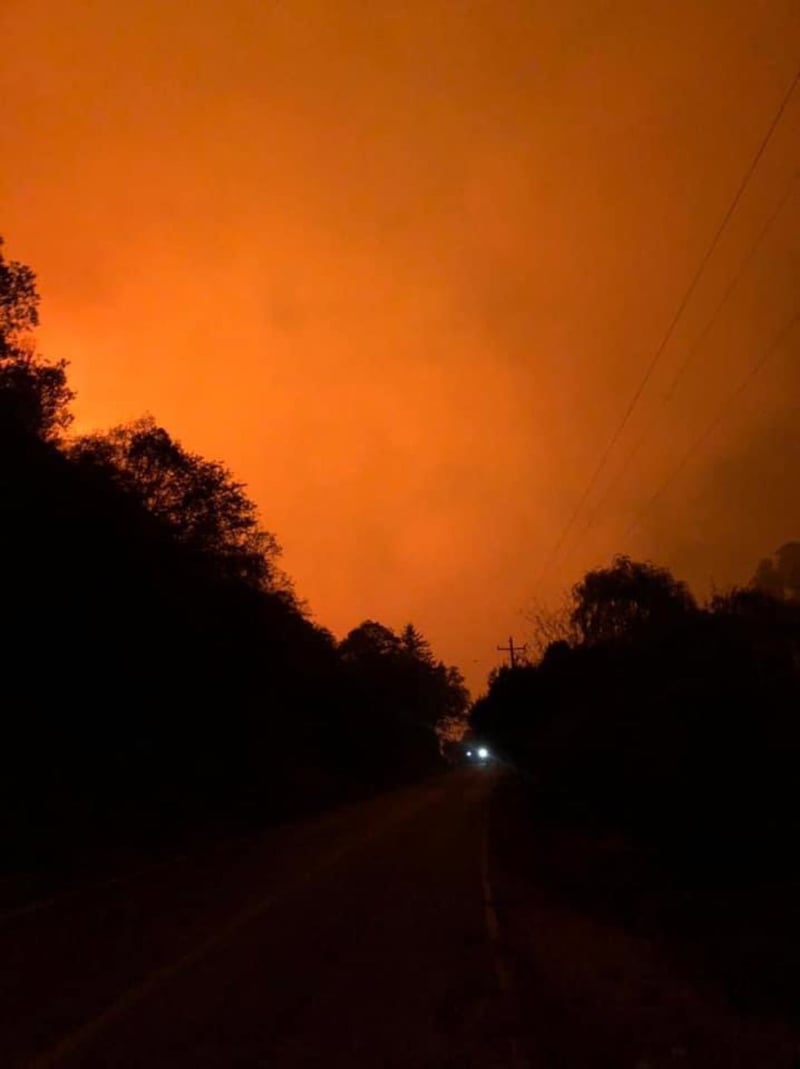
(674, 723)
(159, 671)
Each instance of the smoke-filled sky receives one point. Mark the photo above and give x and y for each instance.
(403, 265)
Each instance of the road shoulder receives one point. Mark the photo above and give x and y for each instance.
(595, 995)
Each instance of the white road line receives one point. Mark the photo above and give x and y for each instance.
(501, 970)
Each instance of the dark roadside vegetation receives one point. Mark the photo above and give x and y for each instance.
(161, 680)
(163, 684)
(657, 746)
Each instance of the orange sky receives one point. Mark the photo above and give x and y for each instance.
(402, 265)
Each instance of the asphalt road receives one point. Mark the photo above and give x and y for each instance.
(361, 938)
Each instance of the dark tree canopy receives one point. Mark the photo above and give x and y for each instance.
(34, 396)
(19, 307)
(199, 499)
(399, 673)
(370, 641)
(779, 575)
(673, 722)
(612, 603)
(415, 644)
(158, 673)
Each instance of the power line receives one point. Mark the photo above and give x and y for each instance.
(672, 325)
(734, 282)
(695, 347)
(722, 412)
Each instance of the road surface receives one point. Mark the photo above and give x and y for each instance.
(365, 938)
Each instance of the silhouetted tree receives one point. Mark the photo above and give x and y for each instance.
(369, 642)
(19, 307)
(674, 722)
(415, 644)
(779, 575)
(199, 499)
(157, 671)
(34, 396)
(454, 702)
(549, 625)
(408, 699)
(617, 602)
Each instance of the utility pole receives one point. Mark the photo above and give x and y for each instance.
(512, 651)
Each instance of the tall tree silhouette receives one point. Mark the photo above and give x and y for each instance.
(617, 602)
(198, 499)
(158, 672)
(34, 396)
(675, 722)
(779, 575)
(415, 644)
(408, 698)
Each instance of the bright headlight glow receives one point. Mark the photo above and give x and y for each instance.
(483, 753)
(469, 753)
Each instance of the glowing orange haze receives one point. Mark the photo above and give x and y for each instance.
(402, 266)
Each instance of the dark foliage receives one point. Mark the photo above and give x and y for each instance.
(419, 696)
(627, 600)
(675, 724)
(157, 672)
(34, 396)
